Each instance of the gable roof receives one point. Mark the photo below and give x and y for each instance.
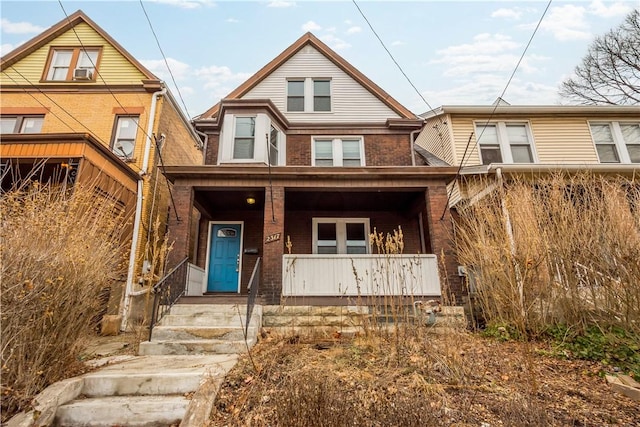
(310, 39)
(60, 28)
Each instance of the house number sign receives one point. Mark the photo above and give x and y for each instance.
(272, 238)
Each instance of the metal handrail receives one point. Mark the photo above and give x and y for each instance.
(167, 291)
(254, 284)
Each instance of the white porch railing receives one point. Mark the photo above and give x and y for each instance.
(364, 275)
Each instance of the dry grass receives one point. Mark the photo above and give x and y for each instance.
(453, 378)
(563, 251)
(60, 250)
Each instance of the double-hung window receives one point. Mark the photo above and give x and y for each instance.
(124, 140)
(340, 235)
(504, 142)
(617, 142)
(308, 95)
(21, 124)
(346, 152)
(295, 95)
(244, 138)
(66, 64)
(273, 146)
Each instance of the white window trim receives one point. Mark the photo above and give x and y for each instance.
(309, 94)
(341, 232)
(116, 137)
(261, 140)
(255, 137)
(618, 139)
(503, 139)
(337, 149)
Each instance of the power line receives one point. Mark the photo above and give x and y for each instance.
(495, 107)
(165, 60)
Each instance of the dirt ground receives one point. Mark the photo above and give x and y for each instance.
(452, 379)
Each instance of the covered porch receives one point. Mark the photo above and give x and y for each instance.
(310, 233)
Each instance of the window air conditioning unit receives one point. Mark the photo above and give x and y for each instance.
(82, 74)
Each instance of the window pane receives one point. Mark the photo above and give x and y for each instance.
(243, 148)
(356, 249)
(32, 125)
(226, 232)
(322, 103)
(295, 88)
(490, 154)
(87, 59)
(321, 88)
(351, 149)
(127, 127)
(326, 231)
(62, 58)
(273, 146)
(295, 104)
(517, 134)
(634, 153)
(324, 152)
(607, 153)
(521, 154)
(630, 133)
(327, 249)
(355, 231)
(487, 134)
(245, 126)
(7, 124)
(602, 134)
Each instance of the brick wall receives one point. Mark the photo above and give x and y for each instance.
(380, 149)
(213, 145)
(440, 232)
(271, 285)
(180, 224)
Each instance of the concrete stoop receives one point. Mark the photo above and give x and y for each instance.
(140, 391)
(203, 329)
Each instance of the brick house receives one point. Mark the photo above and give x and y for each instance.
(77, 108)
(304, 161)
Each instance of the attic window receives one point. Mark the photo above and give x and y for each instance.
(72, 64)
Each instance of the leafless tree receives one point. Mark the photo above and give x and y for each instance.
(610, 71)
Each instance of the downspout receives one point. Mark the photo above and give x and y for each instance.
(128, 291)
(205, 143)
(411, 142)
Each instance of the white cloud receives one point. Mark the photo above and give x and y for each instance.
(354, 30)
(566, 22)
(507, 13)
(334, 42)
(232, 20)
(186, 4)
(397, 43)
(347, 21)
(180, 70)
(485, 43)
(281, 3)
(597, 7)
(6, 48)
(310, 26)
(9, 27)
(330, 30)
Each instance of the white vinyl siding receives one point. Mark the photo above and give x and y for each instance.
(350, 101)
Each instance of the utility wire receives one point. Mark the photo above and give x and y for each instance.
(165, 60)
(495, 107)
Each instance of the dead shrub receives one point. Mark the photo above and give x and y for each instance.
(61, 249)
(563, 250)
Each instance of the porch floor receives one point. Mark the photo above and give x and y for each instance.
(219, 299)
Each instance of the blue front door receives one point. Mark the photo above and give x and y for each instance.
(224, 258)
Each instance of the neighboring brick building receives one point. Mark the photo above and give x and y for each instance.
(303, 162)
(76, 103)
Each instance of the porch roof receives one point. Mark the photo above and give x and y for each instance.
(368, 173)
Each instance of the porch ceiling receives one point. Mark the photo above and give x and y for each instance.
(232, 199)
(351, 200)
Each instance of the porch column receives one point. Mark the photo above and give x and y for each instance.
(439, 231)
(180, 224)
(272, 248)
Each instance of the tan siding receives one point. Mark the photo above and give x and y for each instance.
(565, 140)
(350, 101)
(463, 128)
(435, 137)
(114, 68)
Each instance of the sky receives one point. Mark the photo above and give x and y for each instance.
(453, 52)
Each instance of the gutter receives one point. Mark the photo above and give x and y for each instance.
(500, 168)
(137, 222)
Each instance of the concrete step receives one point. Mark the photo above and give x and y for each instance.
(210, 319)
(201, 309)
(182, 333)
(131, 411)
(185, 347)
